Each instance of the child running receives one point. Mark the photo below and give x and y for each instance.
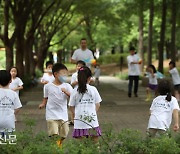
(16, 83)
(84, 104)
(163, 108)
(56, 95)
(153, 83)
(175, 78)
(9, 104)
(74, 80)
(48, 75)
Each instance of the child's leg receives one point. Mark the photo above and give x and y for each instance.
(152, 132)
(177, 95)
(95, 139)
(63, 129)
(148, 95)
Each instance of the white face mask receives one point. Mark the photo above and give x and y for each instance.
(49, 71)
(63, 78)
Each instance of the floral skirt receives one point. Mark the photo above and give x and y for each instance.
(86, 132)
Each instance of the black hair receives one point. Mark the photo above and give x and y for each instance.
(165, 88)
(5, 78)
(132, 49)
(17, 75)
(81, 62)
(49, 63)
(57, 67)
(153, 67)
(83, 74)
(172, 63)
(83, 39)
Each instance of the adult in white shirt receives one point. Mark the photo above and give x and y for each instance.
(9, 104)
(133, 71)
(83, 54)
(175, 78)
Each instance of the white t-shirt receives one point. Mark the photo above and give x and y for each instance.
(17, 82)
(56, 107)
(85, 106)
(97, 72)
(84, 55)
(161, 112)
(133, 69)
(46, 77)
(9, 101)
(175, 76)
(74, 78)
(153, 80)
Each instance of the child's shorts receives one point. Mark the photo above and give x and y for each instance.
(57, 127)
(177, 87)
(86, 132)
(153, 87)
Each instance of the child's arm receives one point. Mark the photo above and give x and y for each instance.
(16, 111)
(176, 120)
(18, 88)
(72, 109)
(43, 104)
(74, 83)
(97, 106)
(65, 91)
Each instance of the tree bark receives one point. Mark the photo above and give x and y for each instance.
(150, 33)
(141, 20)
(162, 36)
(173, 30)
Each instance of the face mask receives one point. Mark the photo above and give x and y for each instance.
(62, 79)
(49, 71)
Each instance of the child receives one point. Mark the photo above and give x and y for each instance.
(48, 76)
(84, 104)
(16, 83)
(153, 83)
(176, 79)
(97, 72)
(162, 109)
(9, 104)
(55, 100)
(74, 81)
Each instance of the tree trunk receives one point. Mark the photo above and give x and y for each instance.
(150, 34)
(121, 57)
(141, 18)
(162, 36)
(173, 30)
(59, 56)
(9, 56)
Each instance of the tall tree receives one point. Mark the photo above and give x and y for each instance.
(162, 36)
(150, 32)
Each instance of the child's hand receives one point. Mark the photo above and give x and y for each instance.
(14, 89)
(42, 105)
(64, 90)
(176, 127)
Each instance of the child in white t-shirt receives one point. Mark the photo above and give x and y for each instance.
(163, 108)
(55, 99)
(74, 80)
(9, 104)
(175, 78)
(97, 72)
(153, 82)
(84, 104)
(48, 76)
(16, 83)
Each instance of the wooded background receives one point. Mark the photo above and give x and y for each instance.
(30, 30)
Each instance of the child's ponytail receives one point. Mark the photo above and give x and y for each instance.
(168, 97)
(83, 74)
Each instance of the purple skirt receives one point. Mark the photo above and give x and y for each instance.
(153, 87)
(86, 132)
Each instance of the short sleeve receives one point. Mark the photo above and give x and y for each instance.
(73, 78)
(74, 56)
(175, 104)
(172, 71)
(46, 91)
(91, 55)
(20, 83)
(72, 100)
(97, 96)
(17, 103)
(129, 60)
(69, 88)
(152, 106)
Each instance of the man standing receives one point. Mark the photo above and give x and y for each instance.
(83, 53)
(133, 71)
